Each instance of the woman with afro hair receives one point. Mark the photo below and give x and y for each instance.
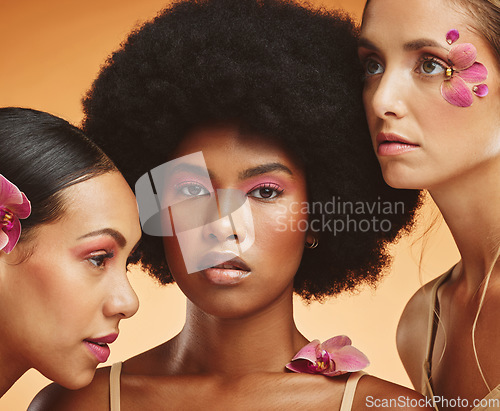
(241, 127)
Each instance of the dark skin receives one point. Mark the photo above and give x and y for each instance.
(223, 358)
(271, 391)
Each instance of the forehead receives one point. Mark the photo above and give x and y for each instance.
(226, 146)
(400, 21)
(104, 200)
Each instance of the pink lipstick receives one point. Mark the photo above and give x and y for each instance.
(229, 272)
(99, 346)
(389, 144)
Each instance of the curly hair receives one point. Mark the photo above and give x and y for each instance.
(278, 69)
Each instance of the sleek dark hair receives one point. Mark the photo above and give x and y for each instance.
(273, 68)
(42, 155)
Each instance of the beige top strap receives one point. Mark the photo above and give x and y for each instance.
(350, 390)
(114, 386)
(491, 401)
(433, 321)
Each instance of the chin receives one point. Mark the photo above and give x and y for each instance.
(402, 180)
(75, 379)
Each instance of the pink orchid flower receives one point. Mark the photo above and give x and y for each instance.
(13, 206)
(463, 69)
(335, 356)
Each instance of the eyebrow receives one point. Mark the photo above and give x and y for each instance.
(421, 43)
(264, 169)
(192, 168)
(251, 172)
(409, 46)
(119, 238)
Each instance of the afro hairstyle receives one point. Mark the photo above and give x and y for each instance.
(275, 68)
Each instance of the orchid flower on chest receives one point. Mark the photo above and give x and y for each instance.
(333, 357)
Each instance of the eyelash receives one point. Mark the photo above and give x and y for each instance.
(98, 261)
(418, 68)
(188, 184)
(435, 60)
(276, 188)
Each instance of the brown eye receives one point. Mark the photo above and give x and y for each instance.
(98, 260)
(193, 190)
(266, 192)
(432, 67)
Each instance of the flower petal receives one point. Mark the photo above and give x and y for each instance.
(4, 239)
(308, 352)
(350, 359)
(452, 36)
(22, 210)
(303, 366)
(336, 343)
(13, 234)
(474, 74)
(9, 193)
(480, 90)
(462, 56)
(456, 92)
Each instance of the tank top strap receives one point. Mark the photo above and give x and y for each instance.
(350, 390)
(114, 386)
(432, 327)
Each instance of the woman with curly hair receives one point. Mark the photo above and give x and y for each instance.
(242, 124)
(432, 97)
(68, 223)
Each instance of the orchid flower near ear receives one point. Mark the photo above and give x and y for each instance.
(335, 356)
(463, 69)
(13, 206)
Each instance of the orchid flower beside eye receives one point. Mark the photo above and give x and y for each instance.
(13, 206)
(335, 356)
(463, 69)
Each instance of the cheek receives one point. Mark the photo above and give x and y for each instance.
(282, 232)
(174, 256)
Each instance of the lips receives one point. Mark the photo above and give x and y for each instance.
(390, 144)
(99, 346)
(224, 268)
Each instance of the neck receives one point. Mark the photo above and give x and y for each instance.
(471, 208)
(263, 341)
(10, 371)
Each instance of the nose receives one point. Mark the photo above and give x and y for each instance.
(122, 300)
(387, 97)
(226, 225)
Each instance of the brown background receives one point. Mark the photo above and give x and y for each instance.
(51, 50)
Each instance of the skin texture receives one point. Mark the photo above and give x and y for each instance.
(237, 339)
(73, 282)
(457, 158)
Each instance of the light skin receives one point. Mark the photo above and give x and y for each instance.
(73, 285)
(238, 337)
(454, 153)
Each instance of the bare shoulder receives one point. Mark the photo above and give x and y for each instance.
(373, 393)
(411, 337)
(57, 398)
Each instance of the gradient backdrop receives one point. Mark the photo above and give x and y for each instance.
(51, 51)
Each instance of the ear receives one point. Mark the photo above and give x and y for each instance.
(312, 239)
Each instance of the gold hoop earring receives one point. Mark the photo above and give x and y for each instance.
(312, 245)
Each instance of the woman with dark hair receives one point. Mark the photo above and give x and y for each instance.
(68, 222)
(242, 124)
(432, 97)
